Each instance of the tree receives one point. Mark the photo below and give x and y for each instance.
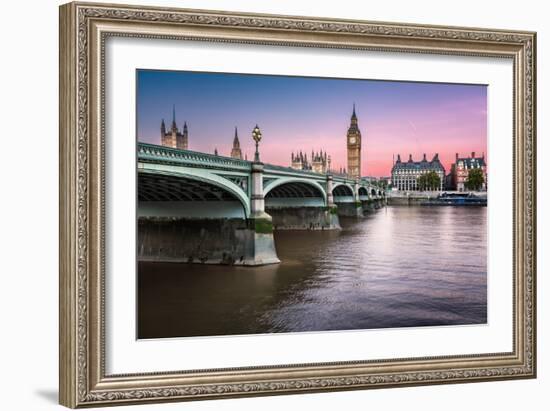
(475, 179)
(428, 181)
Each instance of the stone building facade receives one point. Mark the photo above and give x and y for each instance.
(462, 167)
(404, 175)
(319, 162)
(174, 137)
(299, 161)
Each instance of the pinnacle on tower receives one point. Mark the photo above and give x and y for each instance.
(236, 149)
(236, 142)
(174, 117)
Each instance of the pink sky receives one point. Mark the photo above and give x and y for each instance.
(297, 113)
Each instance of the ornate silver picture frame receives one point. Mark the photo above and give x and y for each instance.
(84, 30)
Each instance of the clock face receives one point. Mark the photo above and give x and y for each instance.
(352, 140)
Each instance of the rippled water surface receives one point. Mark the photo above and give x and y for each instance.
(397, 267)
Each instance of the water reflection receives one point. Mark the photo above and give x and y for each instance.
(400, 266)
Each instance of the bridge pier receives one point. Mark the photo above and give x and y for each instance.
(372, 204)
(305, 218)
(350, 209)
(368, 205)
(231, 241)
(330, 195)
(260, 223)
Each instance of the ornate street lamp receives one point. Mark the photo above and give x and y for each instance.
(257, 136)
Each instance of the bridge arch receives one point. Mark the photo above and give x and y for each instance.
(363, 191)
(189, 185)
(342, 190)
(294, 188)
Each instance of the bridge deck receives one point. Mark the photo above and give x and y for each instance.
(153, 153)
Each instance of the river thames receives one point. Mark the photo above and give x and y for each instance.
(396, 267)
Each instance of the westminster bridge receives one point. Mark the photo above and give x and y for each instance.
(204, 208)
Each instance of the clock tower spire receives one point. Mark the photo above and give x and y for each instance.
(354, 147)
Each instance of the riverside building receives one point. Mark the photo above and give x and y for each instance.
(404, 174)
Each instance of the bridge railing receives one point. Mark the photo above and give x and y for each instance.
(157, 153)
(274, 167)
(337, 177)
(176, 156)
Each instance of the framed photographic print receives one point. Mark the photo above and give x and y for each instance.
(258, 204)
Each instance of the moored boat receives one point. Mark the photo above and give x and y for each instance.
(457, 199)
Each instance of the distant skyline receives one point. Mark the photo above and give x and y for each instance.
(305, 113)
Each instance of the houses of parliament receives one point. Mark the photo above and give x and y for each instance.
(175, 138)
(319, 162)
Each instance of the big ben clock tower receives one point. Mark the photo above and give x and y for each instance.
(354, 147)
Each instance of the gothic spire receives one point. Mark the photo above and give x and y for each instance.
(236, 149)
(236, 142)
(353, 119)
(173, 116)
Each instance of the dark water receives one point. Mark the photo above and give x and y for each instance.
(398, 267)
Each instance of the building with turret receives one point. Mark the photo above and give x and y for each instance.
(404, 174)
(299, 161)
(319, 163)
(173, 137)
(236, 150)
(354, 147)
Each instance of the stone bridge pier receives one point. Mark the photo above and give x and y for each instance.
(262, 244)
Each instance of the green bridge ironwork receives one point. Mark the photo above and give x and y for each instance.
(168, 174)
